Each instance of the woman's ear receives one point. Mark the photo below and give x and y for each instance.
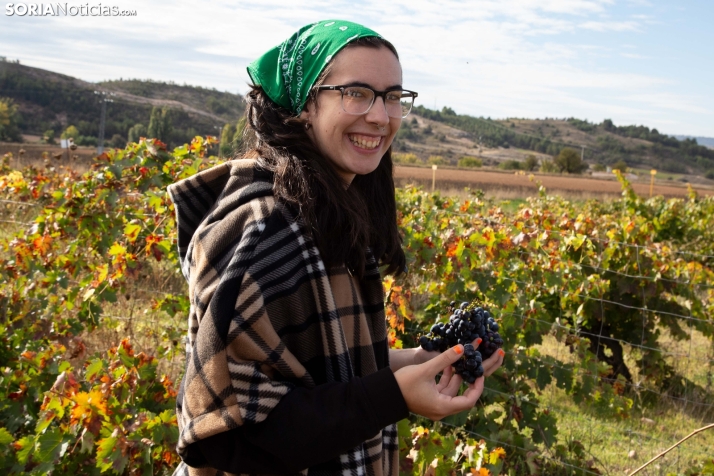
(306, 116)
(306, 113)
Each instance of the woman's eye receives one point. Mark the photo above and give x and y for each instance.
(353, 93)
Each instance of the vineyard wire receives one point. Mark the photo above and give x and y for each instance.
(576, 373)
(538, 406)
(645, 312)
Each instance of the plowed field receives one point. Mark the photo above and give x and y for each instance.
(494, 182)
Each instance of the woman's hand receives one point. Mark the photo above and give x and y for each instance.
(489, 365)
(425, 397)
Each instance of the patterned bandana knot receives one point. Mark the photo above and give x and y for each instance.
(287, 72)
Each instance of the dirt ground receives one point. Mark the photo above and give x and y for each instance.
(519, 184)
(500, 184)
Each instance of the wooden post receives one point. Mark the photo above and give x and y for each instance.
(653, 172)
(433, 177)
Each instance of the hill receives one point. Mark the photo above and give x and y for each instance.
(449, 135)
(48, 100)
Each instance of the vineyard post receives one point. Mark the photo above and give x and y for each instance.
(653, 172)
(433, 177)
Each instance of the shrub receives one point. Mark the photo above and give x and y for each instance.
(548, 166)
(407, 158)
(436, 160)
(510, 165)
(531, 162)
(468, 161)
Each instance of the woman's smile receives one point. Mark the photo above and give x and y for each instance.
(369, 143)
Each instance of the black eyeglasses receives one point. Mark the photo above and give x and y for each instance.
(358, 100)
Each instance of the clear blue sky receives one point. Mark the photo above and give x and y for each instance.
(635, 61)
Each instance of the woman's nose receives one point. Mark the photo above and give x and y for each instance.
(377, 114)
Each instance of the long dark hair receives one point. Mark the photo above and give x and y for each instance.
(343, 221)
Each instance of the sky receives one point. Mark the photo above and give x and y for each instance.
(646, 62)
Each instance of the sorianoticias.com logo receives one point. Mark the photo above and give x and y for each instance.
(65, 9)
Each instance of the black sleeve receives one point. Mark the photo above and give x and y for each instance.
(306, 428)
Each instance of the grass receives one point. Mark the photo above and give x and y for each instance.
(621, 445)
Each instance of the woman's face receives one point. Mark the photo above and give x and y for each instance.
(355, 144)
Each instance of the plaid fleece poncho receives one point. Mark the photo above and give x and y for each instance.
(267, 318)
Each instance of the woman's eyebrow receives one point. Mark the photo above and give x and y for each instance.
(365, 85)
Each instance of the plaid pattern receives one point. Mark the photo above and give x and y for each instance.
(262, 302)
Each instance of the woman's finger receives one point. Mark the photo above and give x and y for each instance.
(492, 364)
(445, 378)
(469, 398)
(452, 389)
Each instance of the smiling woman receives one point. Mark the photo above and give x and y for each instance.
(288, 366)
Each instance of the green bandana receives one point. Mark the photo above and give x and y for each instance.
(287, 72)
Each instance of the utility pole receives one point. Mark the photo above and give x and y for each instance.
(104, 99)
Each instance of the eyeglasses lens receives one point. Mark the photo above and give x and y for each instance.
(357, 100)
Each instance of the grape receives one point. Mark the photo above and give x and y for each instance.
(465, 326)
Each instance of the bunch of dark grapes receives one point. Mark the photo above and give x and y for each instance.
(464, 327)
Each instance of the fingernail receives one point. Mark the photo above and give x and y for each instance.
(478, 342)
(459, 349)
(501, 353)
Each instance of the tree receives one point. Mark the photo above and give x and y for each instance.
(227, 134)
(620, 165)
(8, 121)
(117, 141)
(136, 133)
(71, 133)
(49, 136)
(160, 126)
(238, 136)
(531, 162)
(569, 161)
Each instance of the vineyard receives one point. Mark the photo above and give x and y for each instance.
(606, 310)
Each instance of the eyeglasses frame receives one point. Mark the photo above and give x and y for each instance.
(382, 94)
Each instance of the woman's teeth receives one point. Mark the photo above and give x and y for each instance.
(365, 142)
